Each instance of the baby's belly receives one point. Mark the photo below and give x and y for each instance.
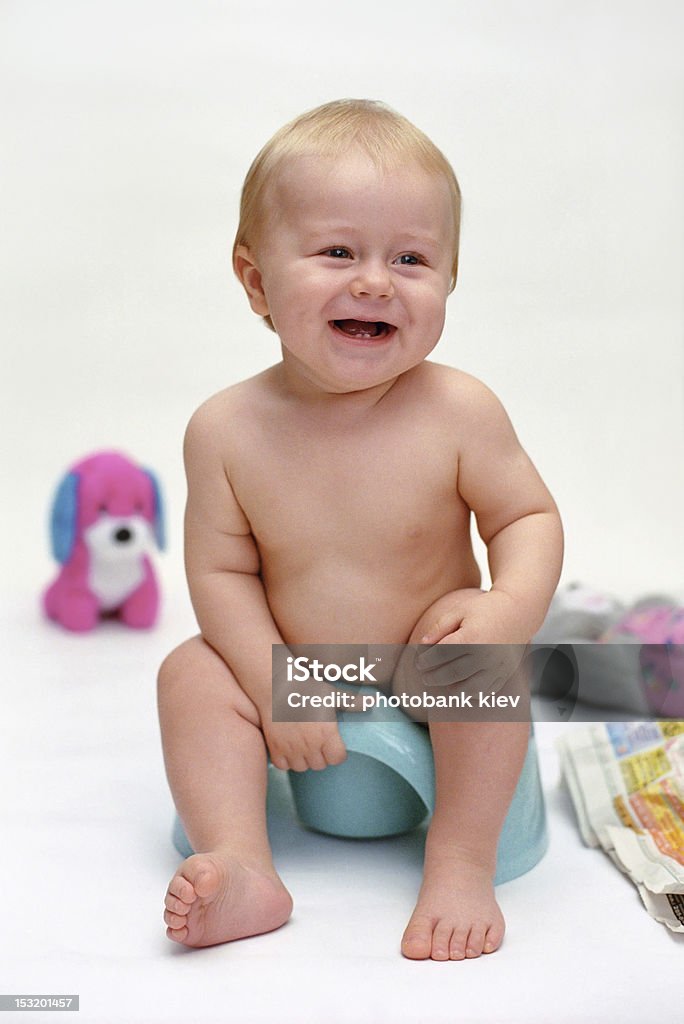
(336, 603)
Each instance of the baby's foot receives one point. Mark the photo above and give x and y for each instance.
(214, 898)
(456, 916)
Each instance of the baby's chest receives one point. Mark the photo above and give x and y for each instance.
(350, 497)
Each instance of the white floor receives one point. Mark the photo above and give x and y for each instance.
(87, 855)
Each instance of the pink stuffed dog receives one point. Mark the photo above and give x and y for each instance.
(106, 519)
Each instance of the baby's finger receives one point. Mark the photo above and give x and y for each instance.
(316, 761)
(451, 672)
(447, 623)
(298, 763)
(334, 750)
(440, 654)
(279, 761)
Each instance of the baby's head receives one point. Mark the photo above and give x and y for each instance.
(331, 131)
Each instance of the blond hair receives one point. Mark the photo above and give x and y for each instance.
(388, 138)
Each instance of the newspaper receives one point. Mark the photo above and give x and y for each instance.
(626, 780)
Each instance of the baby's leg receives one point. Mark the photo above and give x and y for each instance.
(477, 766)
(216, 764)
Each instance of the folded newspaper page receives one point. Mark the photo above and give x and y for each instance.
(626, 780)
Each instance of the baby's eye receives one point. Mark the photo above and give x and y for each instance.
(408, 259)
(337, 252)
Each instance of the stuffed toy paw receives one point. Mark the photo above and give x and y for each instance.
(106, 521)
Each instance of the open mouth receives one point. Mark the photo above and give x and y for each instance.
(364, 330)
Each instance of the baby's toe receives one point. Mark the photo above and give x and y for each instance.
(457, 945)
(441, 938)
(493, 938)
(175, 921)
(177, 934)
(182, 889)
(203, 875)
(175, 905)
(417, 941)
(476, 941)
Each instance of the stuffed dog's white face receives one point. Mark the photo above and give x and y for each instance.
(116, 545)
(119, 538)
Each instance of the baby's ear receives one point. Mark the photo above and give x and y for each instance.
(244, 264)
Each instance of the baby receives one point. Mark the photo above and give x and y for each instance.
(329, 501)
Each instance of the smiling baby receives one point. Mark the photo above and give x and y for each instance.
(329, 501)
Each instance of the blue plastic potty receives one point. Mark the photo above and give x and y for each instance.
(386, 787)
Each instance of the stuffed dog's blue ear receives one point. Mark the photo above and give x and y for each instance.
(159, 521)
(63, 518)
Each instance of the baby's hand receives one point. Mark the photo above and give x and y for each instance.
(475, 639)
(301, 745)
(299, 740)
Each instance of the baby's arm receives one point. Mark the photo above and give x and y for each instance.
(222, 566)
(518, 521)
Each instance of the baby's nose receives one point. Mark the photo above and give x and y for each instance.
(373, 280)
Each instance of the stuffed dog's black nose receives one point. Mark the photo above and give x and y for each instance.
(123, 535)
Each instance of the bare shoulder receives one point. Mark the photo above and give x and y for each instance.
(230, 402)
(211, 451)
(464, 399)
(217, 423)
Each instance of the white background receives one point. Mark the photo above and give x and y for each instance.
(126, 130)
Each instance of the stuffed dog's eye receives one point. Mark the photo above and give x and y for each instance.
(102, 508)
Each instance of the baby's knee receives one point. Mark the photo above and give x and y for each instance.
(179, 667)
(193, 673)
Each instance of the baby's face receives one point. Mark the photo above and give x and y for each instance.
(355, 268)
